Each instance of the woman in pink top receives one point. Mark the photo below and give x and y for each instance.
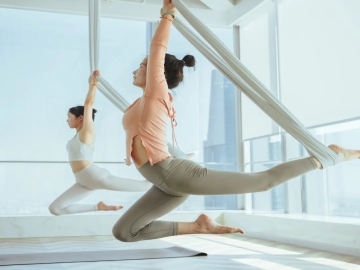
(175, 179)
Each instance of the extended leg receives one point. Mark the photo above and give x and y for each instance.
(112, 182)
(190, 178)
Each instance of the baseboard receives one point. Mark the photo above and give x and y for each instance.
(340, 235)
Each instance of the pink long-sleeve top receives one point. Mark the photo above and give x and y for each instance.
(147, 116)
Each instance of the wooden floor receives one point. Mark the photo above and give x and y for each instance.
(225, 252)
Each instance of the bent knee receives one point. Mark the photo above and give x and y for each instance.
(55, 210)
(122, 233)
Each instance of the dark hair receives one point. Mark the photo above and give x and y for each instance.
(174, 69)
(79, 110)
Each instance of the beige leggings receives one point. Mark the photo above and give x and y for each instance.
(175, 179)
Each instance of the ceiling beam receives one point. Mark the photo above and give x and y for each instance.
(246, 9)
(213, 13)
(221, 5)
(123, 9)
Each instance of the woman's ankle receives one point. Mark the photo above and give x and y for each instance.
(317, 162)
(187, 228)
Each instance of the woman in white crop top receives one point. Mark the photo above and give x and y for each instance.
(88, 176)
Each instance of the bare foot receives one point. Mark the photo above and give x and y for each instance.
(101, 206)
(345, 154)
(207, 225)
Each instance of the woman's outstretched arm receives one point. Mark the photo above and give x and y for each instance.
(87, 131)
(155, 77)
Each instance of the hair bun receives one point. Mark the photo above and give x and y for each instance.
(189, 60)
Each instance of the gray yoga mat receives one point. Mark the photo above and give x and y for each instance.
(96, 256)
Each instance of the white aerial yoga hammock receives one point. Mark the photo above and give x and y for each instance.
(230, 66)
(94, 35)
(235, 71)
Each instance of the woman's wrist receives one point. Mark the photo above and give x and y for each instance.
(168, 13)
(168, 17)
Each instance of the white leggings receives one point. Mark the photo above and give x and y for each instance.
(88, 180)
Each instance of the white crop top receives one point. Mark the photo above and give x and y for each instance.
(78, 150)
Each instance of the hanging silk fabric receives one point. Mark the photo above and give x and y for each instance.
(231, 67)
(94, 40)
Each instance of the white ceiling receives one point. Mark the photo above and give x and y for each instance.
(220, 13)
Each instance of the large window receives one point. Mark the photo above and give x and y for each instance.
(310, 63)
(45, 67)
(343, 180)
(319, 59)
(334, 191)
(319, 63)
